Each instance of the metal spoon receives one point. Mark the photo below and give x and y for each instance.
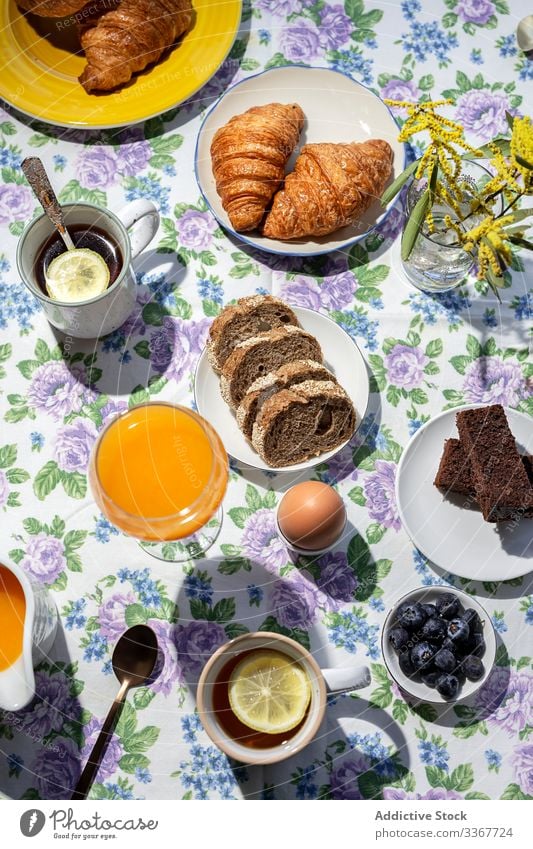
(133, 662)
(524, 35)
(37, 177)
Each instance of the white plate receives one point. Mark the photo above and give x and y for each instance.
(341, 356)
(427, 595)
(453, 537)
(337, 109)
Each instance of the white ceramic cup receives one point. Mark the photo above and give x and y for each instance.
(133, 229)
(323, 681)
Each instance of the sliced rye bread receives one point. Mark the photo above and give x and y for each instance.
(262, 354)
(302, 422)
(283, 378)
(246, 318)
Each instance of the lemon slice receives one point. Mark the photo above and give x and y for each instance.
(269, 692)
(77, 275)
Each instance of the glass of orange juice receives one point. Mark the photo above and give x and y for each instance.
(159, 472)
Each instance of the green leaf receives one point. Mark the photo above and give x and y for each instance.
(153, 314)
(426, 82)
(57, 528)
(461, 363)
(32, 526)
(46, 480)
(253, 498)
(400, 711)
(369, 276)
(414, 224)
(239, 515)
(8, 455)
(393, 395)
(235, 629)
(229, 566)
(74, 484)
(42, 351)
(383, 568)
(6, 350)
(74, 539)
(60, 583)
(357, 496)
(142, 348)
(138, 396)
(392, 190)
(200, 609)
(129, 763)
(135, 614)
(370, 785)
(16, 554)
(381, 697)
(375, 532)
(142, 740)
(436, 777)
(512, 791)
(229, 550)
(461, 778)
(166, 144)
(224, 610)
(127, 722)
(74, 562)
(418, 396)
(462, 81)
(473, 346)
(142, 697)
(476, 795)
(434, 348)
(27, 367)
(502, 657)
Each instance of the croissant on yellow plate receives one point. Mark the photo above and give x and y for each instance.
(331, 186)
(249, 155)
(130, 37)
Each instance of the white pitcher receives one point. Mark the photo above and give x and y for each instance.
(17, 682)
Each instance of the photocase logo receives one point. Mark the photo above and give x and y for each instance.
(32, 822)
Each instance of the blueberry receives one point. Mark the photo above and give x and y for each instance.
(449, 607)
(476, 645)
(473, 668)
(448, 686)
(473, 621)
(430, 610)
(411, 616)
(430, 678)
(406, 664)
(398, 637)
(434, 630)
(442, 601)
(422, 655)
(451, 646)
(445, 660)
(458, 630)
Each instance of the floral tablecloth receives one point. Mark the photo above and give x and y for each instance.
(425, 353)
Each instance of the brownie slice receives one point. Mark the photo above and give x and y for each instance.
(502, 486)
(454, 473)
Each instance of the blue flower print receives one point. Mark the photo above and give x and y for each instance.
(506, 45)
(348, 628)
(526, 71)
(410, 8)
(198, 587)
(146, 187)
(211, 291)
(208, 770)
(448, 304)
(380, 759)
(358, 324)
(413, 425)
(523, 306)
(190, 724)
(498, 622)
(494, 760)
(376, 604)
(264, 36)
(9, 158)
(427, 40)
(475, 56)
(433, 754)
(75, 617)
(489, 318)
(142, 775)
(17, 303)
(107, 668)
(118, 792)
(352, 63)
(143, 585)
(59, 162)
(37, 440)
(255, 595)
(305, 783)
(104, 530)
(15, 764)
(95, 648)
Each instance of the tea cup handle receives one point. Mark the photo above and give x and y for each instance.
(141, 219)
(344, 679)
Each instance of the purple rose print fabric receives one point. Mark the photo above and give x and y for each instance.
(424, 354)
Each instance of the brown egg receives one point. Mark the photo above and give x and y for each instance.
(311, 515)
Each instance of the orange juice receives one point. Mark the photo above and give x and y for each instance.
(12, 615)
(159, 472)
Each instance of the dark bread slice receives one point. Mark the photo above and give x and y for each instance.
(302, 422)
(455, 475)
(283, 378)
(246, 318)
(502, 486)
(262, 354)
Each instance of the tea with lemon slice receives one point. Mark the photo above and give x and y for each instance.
(261, 698)
(81, 274)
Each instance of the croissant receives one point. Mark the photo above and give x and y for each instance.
(129, 38)
(248, 156)
(330, 187)
(51, 8)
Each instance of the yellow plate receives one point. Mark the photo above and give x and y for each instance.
(39, 69)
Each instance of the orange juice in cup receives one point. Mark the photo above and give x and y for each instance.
(159, 473)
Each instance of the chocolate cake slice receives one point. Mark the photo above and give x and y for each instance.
(503, 489)
(455, 475)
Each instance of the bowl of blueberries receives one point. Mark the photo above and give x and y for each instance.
(438, 645)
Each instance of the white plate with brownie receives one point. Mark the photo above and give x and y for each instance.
(286, 388)
(464, 490)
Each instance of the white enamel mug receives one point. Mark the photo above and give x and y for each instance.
(133, 229)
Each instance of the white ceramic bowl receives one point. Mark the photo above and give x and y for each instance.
(417, 688)
(337, 109)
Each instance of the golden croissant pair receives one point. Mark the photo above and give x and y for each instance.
(331, 185)
(119, 37)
